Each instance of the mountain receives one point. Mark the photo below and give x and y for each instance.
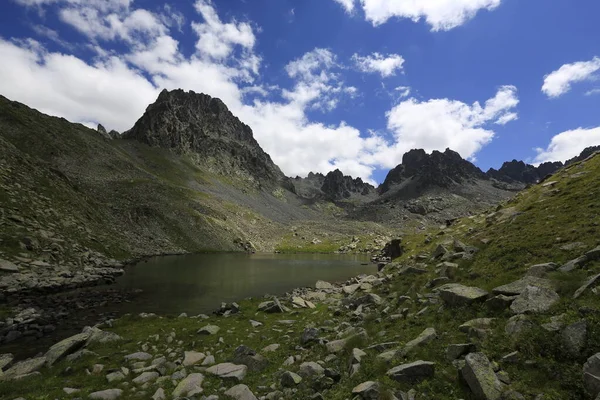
(518, 172)
(334, 186)
(203, 127)
(588, 151)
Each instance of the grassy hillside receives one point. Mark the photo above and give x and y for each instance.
(555, 221)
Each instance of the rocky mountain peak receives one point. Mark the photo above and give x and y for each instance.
(435, 169)
(337, 186)
(202, 126)
(518, 171)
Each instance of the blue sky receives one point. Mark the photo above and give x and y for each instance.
(325, 83)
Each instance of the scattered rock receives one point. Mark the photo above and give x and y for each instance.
(311, 369)
(228, 371)
(534, 299)
(208, 330)
(25, 367)
(367, 390)
(7, 266)
(323, 285)
(246, 356)
(192, 358)
(109, 394)
(455, 351)
(573, 338)
(290, 379)
(159, 394)
(518, 287)
(455, 294)
(593, 281)
(65, 347)
(240, 392)
(518, 324)
(146, 377)
(139, 356)
(481, 378)
(425, 337)
(310, 335)
(591, 375)
(190, 386)
(413, 372)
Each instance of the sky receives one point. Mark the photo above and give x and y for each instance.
(325, 84)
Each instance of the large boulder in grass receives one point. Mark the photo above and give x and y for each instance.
(455, 294)
(481, 378)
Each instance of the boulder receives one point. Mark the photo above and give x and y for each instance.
(309, 336)
(115, 377)
(573, 264)
(146, 377)
(272, 306)
(335, 346)
(25, 367)
(311, 369)
(7, 266)
(139, 356)
(500, 302)
(455, 351)
(192, 358)
(323, 285)
(228, 371)
(534, 299)
(591, 375)
(290, 379)
(477, 323)
(573, 338)
(246, 356)
(240, 392)
(208, 330)
(518, 324)
(413, 372)
(65, 347)
(189, 386)
(99, 336)
(481, 378)
(367, 390)
(109, 394)
(455, 294)
(593, 281)
(518, 287)
(159, 394)
(5, 359)
(425, 337)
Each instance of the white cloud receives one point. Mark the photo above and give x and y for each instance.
(569, 144)
(348, 5)
(404, 91)
(441, 123)
(559, 82)
(441, 15)
(386, 65)
(506, 118)
(592, 92)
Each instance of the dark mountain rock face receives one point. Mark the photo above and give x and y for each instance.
(588, 151)
(336, 186)
(435, 169)
(195, 123)
(518, 171)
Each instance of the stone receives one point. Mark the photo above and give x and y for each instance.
(208, 330)
(255, 324)
(271, 348)
(240, 392)
(593, 281)
(481, 378)
(190, 386)
(290, 379)
(25, 367)
(311, 369)
(413, 372)
(534, 299)
(573, 264)
(309, 336)
(591, 375)
(367, 390)
(70, 391)
(115, 377)
(350, 289)
(356, 356)
(455, 351)
(97, 369)
(540, 270)
(519, 286)
(192, 358)
(556, 323)
(99, 336)
(477, 323)
(573, 338)
(518, 324)
(593, 254)
(139, 356)
(500, 302)
(208, 361)
(7, 266)
(455, 294)
(64, 347)
(228, 371)
(146, 377)
(246, 356)
(109, 394)
(5, 359)
(323, 285)
(439, 251)
(159, 394)
(511, 357)
(425, 337)
(271, 306)
(336, 346)
(80, 354)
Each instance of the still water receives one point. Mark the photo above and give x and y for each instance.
(198, 283)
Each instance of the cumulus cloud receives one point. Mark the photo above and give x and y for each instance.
(348, 5)
(441, 15)
(569, 144)
(385, 65)
(441, 123)
(559, 82)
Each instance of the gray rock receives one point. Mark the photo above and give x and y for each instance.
(477, 323)
(455, 351)
(146, 377)
(556, 323)
(593, 281)
(311, 369)
(309, 335)
(323, 285)
(65, 347)
(573, 264)
(246, 356)
(255, 324)
(208, 330)
(240, 392)
(190, 386)
(413, 372)
(455, 294)
(518, 324)
(80, 354)
(574, 337)
(208, 361)
(99, 336)
(192, 358)
(228, 371)
(481, 378)
(290, 379)
(511, 357)
(593, 254)
(5, 359)
(335, 346)
(356, 356)
(7, 266)
(139, 356)
(425, 337)
(518, 287)
(115, 377)
(367, 390)
(272, 306)
(271, 348)
(439, 251)
(591, 375)
(159, 394)
(25, 367)
(500, 302)
(70, 391)
(109, 394)
(534, 299)
(540, 270)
